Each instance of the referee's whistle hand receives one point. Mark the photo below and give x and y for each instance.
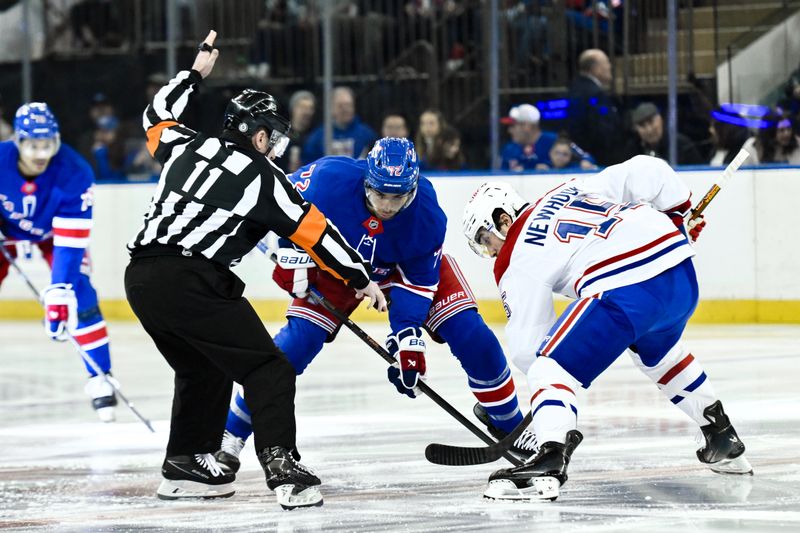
(377, 300)
(206, 55)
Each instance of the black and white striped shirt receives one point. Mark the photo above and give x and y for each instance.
(219, 199)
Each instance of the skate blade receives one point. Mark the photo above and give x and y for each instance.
(171, 489)
(541, 489)
(106, 414)
(309, 497)
(738, 466)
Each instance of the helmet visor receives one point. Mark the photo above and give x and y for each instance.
(278, 143)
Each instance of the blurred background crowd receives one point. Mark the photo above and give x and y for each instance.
(579, 84)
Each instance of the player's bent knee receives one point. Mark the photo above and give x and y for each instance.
(545, 372)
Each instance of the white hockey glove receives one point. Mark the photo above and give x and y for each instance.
(294, 271)
(408, 348)
(60, 311)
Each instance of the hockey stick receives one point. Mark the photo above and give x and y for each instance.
(461, 455)
(732, 167)
(380, 350)
(75, 344)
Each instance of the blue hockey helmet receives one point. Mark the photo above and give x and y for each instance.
(35, 121)
(392, 166)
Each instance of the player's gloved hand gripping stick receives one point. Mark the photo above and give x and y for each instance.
(444, 454)
(65, 334)
(317, 297)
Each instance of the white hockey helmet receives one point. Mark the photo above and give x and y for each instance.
(479, 211)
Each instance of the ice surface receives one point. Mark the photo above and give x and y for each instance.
(60, 470)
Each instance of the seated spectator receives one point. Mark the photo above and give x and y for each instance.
(302, 106)
(450, 156)
(428, 141)
(108, 151)
(529, 148)
(727, 136)
(774, 141)
(351, 137)
(565, 155)
(653, 139)
(395, 125)
(788, 142)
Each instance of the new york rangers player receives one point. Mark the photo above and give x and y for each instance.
(46, 195)
(605, 241)
(391, 216)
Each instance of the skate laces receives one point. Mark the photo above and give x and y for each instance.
(527, 441)
(207, 461)
(231, 444)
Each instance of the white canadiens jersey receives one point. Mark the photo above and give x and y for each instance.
(589, 235)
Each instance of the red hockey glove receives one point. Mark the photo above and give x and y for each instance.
(294, 271)
(695, 227)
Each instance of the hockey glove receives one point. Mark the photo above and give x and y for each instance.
(408, 348)
(294, 272)
(60, 311)
(695, 227)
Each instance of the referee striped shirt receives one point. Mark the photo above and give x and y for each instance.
(218, 199)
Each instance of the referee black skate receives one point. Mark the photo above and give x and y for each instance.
(215, 199)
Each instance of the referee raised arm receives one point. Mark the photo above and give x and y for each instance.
(216, 198)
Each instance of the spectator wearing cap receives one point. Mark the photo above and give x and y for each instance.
(529, 148)
(302, 106)
(351, 137)
(594, 122)
(652, 139)
(108, 152)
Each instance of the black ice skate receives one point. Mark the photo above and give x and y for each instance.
(228, 455)
(194, 476)
(294, 484)
(524, 447)
(538, 479)
(723, 451)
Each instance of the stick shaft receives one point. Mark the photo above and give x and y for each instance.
(732, 167)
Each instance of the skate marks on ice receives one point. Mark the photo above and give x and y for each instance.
(62, 471)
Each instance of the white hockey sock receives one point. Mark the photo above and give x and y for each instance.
(682, 379)
(553, 404)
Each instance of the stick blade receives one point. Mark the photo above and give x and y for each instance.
(443, 454)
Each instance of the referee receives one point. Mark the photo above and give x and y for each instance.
(215, 199)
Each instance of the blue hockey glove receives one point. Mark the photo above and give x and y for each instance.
(408, 348)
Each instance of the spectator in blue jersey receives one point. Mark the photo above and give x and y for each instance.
(47, 190)
(351, 137)
(302, 106)
(529, 148)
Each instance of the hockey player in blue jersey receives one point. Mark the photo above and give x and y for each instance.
(391, 216)
(46, 194)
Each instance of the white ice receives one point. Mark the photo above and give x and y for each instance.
(60, 470)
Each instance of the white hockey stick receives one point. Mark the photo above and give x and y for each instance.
(75, 344)
(732, 167)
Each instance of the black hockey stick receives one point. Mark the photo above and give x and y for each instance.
(75, 344)
(421, 385)
(444, 454)
(380, 350)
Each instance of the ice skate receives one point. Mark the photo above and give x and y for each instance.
(294, 485)
(723, 451)
(228, 455)
(194, 476)
(524, 447)
(538, 479)
(103, 398)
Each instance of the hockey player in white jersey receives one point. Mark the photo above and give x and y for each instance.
(605, 241)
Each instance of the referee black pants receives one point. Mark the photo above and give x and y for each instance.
(211, 336)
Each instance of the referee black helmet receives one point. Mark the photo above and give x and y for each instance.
(250, 110)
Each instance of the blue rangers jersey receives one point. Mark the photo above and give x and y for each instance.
(407, 248)
(56, 204)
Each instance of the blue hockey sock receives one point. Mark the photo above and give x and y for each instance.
(301, 341)
(239, 422)
(489, 377)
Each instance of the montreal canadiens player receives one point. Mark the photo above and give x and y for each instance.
(605, 241)
(46, 194)
(391, 216)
